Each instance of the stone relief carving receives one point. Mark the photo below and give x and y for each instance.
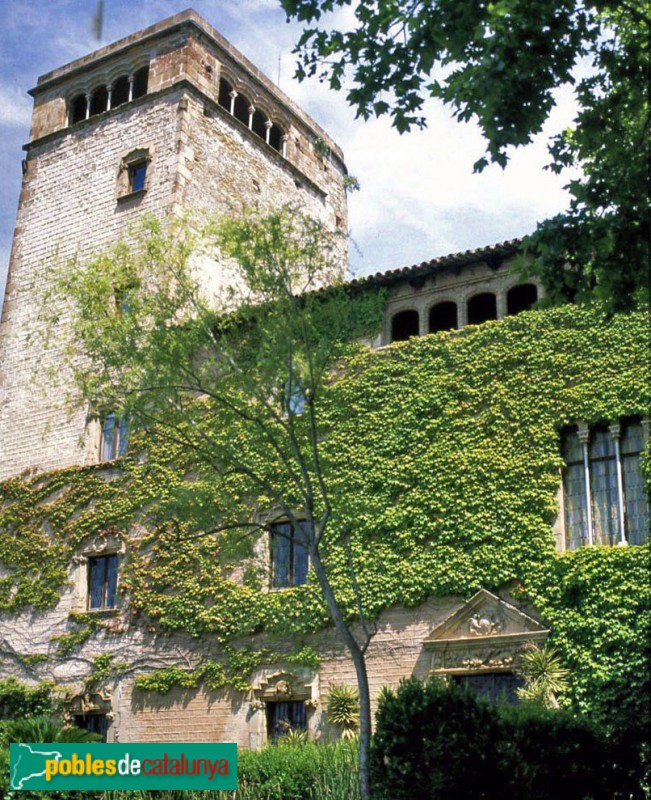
(485, 624)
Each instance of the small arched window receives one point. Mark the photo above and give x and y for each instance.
(241, 109)
(443, 317)
(521, 298)
(404, 325)
(99, 100)
(140, 81)
(258, 124)
(276, 137)
(78, 109)
(120, 93)
(481, 308)
(225, 90)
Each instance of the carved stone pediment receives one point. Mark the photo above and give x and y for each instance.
(281, 686)
(485, 634)
(89, 702)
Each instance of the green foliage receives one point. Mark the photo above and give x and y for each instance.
(343, 709)
(544, 675)
(467, 748)
(300, 772)
(19, 700)
(499, 64)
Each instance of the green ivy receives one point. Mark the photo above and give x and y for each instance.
(443, 458)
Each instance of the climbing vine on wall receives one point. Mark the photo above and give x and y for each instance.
(442, 458)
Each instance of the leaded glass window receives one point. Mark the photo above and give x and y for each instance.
(603, 491)
(289, 556)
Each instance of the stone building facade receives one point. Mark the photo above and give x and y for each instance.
(171, 120)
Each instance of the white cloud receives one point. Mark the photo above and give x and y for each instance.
(15, 107)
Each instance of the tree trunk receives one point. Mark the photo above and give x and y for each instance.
(359, 662)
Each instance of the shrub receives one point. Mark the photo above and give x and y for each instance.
(435, 742)
(18, 700)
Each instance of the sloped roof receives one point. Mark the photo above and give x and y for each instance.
(492, 254)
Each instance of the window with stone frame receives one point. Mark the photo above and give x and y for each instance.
(289, 555)
(285, 716)
(603, 490)
(134, 173)
(102, 582)
(115, 436)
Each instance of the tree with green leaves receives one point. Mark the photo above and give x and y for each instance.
(498, 63)
(236, 375)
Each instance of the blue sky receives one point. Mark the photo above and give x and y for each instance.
(419, 198)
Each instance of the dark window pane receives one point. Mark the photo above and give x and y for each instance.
(521, 298)
(120, 93)
(481, 308)
(96, 582)
(404, 325)
(99, 100)
(443, 317)
(241, 109)
(93, 723)
(275, 138)
(636, 506)
(78, 109)
(281, 547)
(225, 90)
(137, 176)
(259, 127)
(123, 435)
(140, 80)
(285, 716)
(111, 580)
(108, 437)
(497, 687)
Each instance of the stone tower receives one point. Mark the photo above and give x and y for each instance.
(168, 120)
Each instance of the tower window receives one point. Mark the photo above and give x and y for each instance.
(241, 109)
(289, 556)
(99, 100)
(140, 81)
(120, 93)
(137, 176)
(78, 109)
(225, 90)
(102, 582)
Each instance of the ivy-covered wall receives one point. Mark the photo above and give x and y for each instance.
(454, 438)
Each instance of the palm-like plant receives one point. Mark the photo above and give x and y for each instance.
(343, 709)
(43, 729)
(544, 676)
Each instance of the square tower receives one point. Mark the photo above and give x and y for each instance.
(169, 120)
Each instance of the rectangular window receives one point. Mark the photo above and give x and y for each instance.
(102, 581)
(137, 176)
(289, 556)
(285, 717)
(115, 437)
(93, 723)
(603, 489)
